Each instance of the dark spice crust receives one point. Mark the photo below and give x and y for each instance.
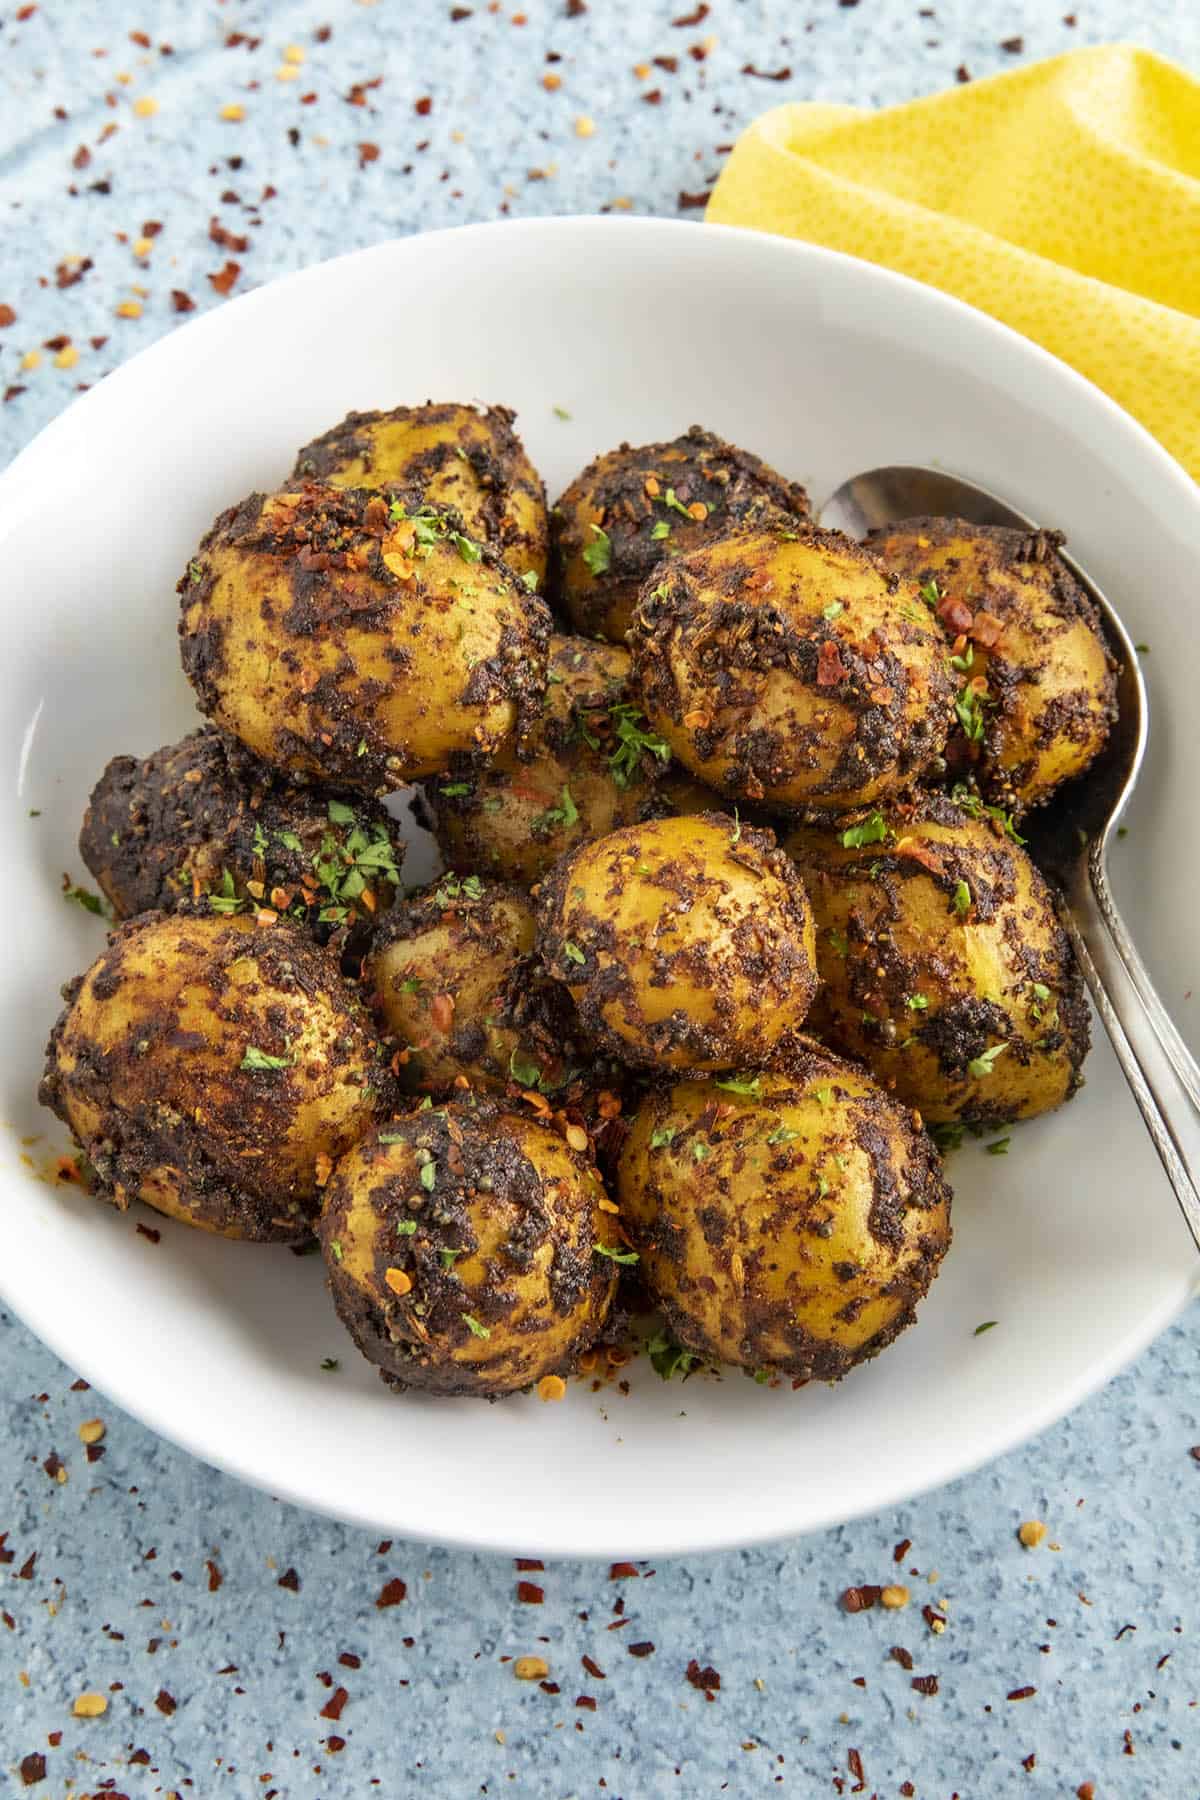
(907, 1178)
(222, 1129)
(1081, 716)
(701, 468)
(325, 547)
(763, 953)
(491, 1173)
(479, 439)
(882, 975)
(728, 623)
(163, 829)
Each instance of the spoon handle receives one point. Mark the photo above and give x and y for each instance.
(1108, 959)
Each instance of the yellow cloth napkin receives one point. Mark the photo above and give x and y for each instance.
(1062, 198)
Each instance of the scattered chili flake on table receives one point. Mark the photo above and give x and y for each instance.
(7, 317)
(1021, 1693)
(925, 1684)
(645, 1648)
(593, 1668)
(860, 1599)
(33, 1768)
(528, 1562)
(332, 1708)
(224, 279)
(392, 1593)
(706, 1681)
(165, 1702)
(183, 303)
(901, 1550)
(899, 1654)
(530, 1593)
(622, 1571)
(586, 1700)
(290, 1580)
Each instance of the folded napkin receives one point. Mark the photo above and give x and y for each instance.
(1062, 198)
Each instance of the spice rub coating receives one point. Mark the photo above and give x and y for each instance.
(589, 766)
(205, 820)
(466, 457)
(685, 943)
(1037, 685)
(461, 1244)
(784, 667)
(215, 1070)
(359, 639)
(636, 506)
(943, 963)
(788, 1221)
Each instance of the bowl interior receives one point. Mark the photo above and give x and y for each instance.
(637, 329)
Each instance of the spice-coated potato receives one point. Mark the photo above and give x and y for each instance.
(589, 766)
(782, 666)
(789, 1221)
(345, 636)
(943, 963)
(684, 942)
(635, 506)
(214, 1069)
(462, 1248)
(466, 457)
(1037, 691)
(204, 819)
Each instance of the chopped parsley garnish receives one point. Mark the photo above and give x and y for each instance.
(969, 711)
(735, 836)
(823, 1095)
(872, 830)
(948, 1135)
(560, 817)
(560, 412)
(624, 1257)
(289, 840)
(671, 499)
(970, 802)
(999, 1147)
(931, 593)
(634, 739)
(225, 898)
(966, 662)
(451, 888)
(983, 1065)
(664, 1135)
(750, 1085)
(833, 610)
(455, 789)
(572, 952)
(392, 1137)
(667, 1358)
(406, 1227)
(529, 581)
(195, 571)
(962, 899)
(335, 1248)
(598, 554)
(340, 813)
(660, 531)
(474, 1327)
(839, 940)
(782, 1134)
(699, 1151)
(1041, 991)
(987, 1325)
(523, 1070)
(261, 1062)
(466, 547)
(428, 1170)
(916, 1002)
(81, 896)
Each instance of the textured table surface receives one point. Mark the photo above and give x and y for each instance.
(247, 1648)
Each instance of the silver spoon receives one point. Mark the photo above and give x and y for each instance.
(1070, 837)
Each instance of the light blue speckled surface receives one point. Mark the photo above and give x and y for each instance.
(105, 1579)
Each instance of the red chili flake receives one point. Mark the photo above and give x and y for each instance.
(695, 17)
(228, 240)
(348, 1660)
(1162, 1660)
(53, 1464)
(593, 1668)
(94, 1452)
(1029, 1762)
(332, 1708)
(830, 667)
(669, 63)
(7, 316)
(899, 1654)
(367, 153)
(56, 343)
(146, 1231)
(623, 1571)
(81, 158)
(1013, 45)
(13, 392)
(165, 1702)
(1127, 1748)
(1070, 19)
(25, 12)
(1194, 1452)
(323, 33)
(962, 73)
(530, 1593)
(855, 1764)
(334, 1744)
(392, 1593)
(705, 1680)
(33, 1768)
(215, 1577)
(652, 96)
(9, 1620)
(646, 1648)
(860, 1599)
(6, 1556)
(383, 1546)
(459, 13)
(936, 1621)
(907, 1789)
(1021, 1693)
(183, 303)
(527, 1562)
(784, 74)
(229, 1669)
(586, 1700)
(687, 202)
(424, 106)
(66, 277)
(925, 1684)
(224, 279)
(290, 1580)
(901, 1550)
(25, 1572)
(1120, 1634)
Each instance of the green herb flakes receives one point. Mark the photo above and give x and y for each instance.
(474, 1327)
(622, 1256)
(667, 1358)
(872, 830)
(598, 554)
(749, 1085)
(983, 1065)
(259, 1060)
(962, 899)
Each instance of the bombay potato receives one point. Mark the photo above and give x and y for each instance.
(684, 942)
(787, 1221)
(206, 820)
(344, 636)
(214, 1069)
(589, 766)
(634, 506)
(465, 1248)
(1037, 687)
(943, 963)
(467, 457)
(783, 666)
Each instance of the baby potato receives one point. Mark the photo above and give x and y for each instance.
(589, 766)
(466, 1248)
(635, 506)
(1037, 687)
(782, 666)
(787, 1222)
(684, 942)
(204, 820)
(344, 636)
(215, 1070)
(943, 963)
(465, 457)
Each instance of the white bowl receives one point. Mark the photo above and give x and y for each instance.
(638, 328)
